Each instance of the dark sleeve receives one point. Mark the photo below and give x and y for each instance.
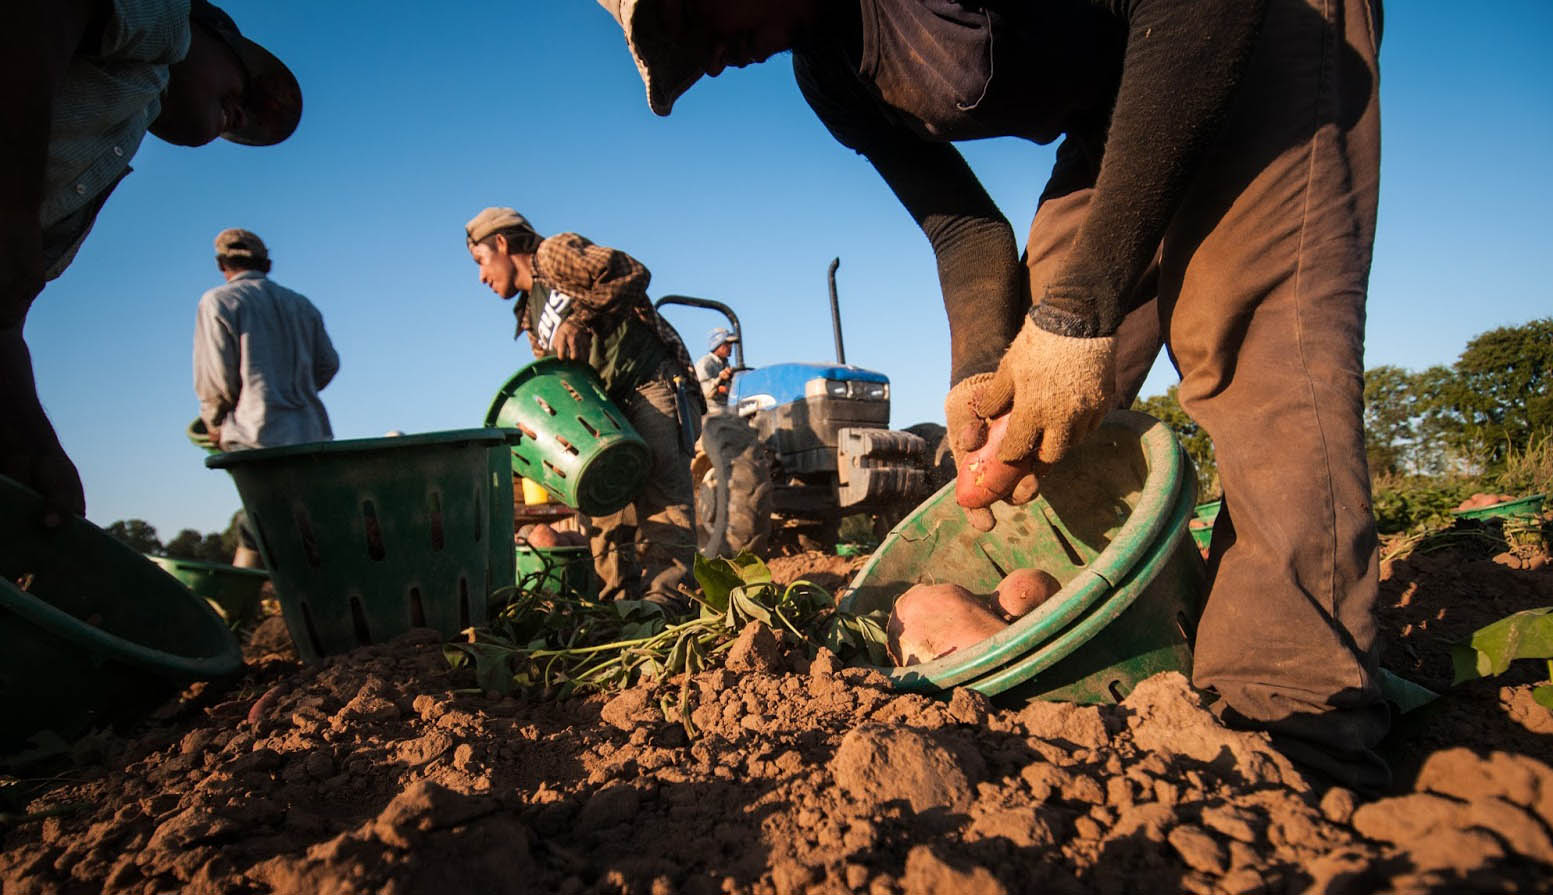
(978, 262)
(1183, 61)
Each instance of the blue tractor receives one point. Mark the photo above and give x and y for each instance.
(799, 446)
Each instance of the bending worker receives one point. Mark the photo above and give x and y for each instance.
(1215, 187)
(84, 81)
(585, 302)
(712, 369)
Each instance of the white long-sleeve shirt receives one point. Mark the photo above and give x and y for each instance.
(261, 355)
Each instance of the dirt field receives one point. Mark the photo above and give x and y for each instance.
(381, 772)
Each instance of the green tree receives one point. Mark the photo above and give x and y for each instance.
(190, 544)
(1505, 396)
(1389, 409)
(1167, 409)
(184, 545)
(138, 534)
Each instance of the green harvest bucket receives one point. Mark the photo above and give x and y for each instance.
(1201, 523)
(1110, 525)
(90, 632)
(556, 570)
(1523, 506)
(232, 591)
(369, 537)
(575, 441)
(199, 436)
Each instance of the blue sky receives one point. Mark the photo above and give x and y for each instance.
(418, 115)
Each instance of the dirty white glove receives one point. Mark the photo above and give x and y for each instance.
(1056, 390)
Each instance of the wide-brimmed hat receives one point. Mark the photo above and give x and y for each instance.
(666, 70)
(272, 107)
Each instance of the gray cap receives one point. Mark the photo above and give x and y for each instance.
(718, 337)
(236, 243)
(494, 220)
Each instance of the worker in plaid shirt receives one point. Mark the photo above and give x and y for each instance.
(585, 302)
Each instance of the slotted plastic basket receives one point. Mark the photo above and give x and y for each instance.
(575, 441)
(367, 538)
(1110, 525)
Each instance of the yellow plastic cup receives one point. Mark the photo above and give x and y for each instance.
(533, 492)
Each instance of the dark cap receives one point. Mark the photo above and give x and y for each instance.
(272, 106)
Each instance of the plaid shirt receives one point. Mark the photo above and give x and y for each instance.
(605, 285)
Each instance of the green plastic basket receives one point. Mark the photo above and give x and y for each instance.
(370, 537)
(575, 441)
(1523, 506)
(199, 436)
(557, 570)
(232, 591)
(90, 632)
(1110, 525)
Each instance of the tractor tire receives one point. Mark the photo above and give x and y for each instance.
(732, 472)
(940, 467)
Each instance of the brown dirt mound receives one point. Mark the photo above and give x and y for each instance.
(382, 771)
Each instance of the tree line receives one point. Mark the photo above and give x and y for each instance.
(140, 536)
(1477, 420)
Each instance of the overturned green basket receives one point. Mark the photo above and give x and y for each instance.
(574, 441)
(90, 632)
(1110, 525)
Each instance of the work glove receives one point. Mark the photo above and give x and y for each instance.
(1056, 390)
(1049, 392)
(572, 341)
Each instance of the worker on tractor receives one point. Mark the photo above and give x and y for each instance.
(84, 82)
(712, 369)
(588, 303)
(1215, 189)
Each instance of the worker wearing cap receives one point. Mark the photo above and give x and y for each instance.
(1216, 187)
(712, 369)
(586, 302)
(261, 355)
(83, 82)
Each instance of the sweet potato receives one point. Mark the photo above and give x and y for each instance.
(572, 538)
(542, 536)
(1023, 590)
(984, 479)
(930, 621)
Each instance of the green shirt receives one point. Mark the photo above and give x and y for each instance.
(626, 356)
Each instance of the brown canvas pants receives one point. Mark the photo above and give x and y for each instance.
(646, 549)
(1261, 283)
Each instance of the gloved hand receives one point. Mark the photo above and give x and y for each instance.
(1056, 388)
(572, 341)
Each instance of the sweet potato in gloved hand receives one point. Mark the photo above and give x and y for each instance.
(1048, 393)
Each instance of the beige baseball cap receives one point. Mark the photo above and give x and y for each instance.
(237, 243)
(665, 70)
(494, 220)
